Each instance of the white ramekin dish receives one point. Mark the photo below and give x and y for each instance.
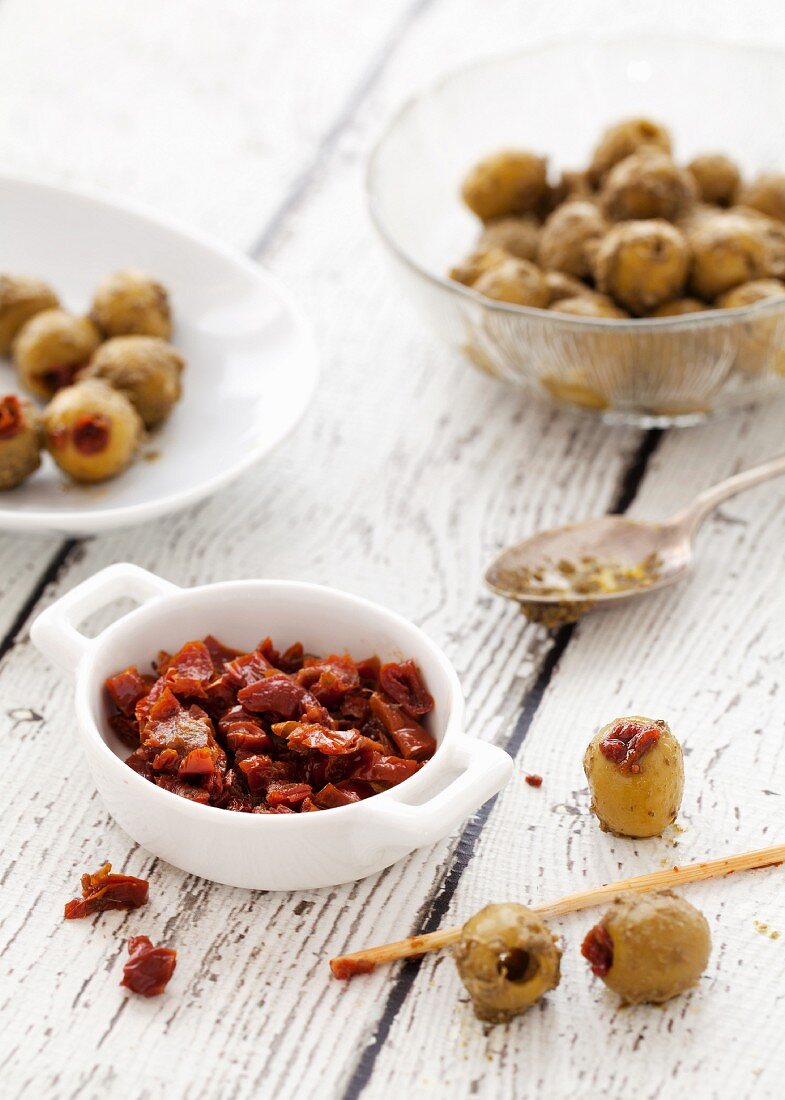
(265, 852)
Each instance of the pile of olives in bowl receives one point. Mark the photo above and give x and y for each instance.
(632, 237)
(106, 377)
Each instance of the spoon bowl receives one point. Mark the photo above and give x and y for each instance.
(602, 560)
(559, 575)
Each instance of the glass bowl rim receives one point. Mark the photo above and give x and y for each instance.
(708, 318)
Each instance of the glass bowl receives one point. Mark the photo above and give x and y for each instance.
(556, 99)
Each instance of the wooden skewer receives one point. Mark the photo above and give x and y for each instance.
(363, 962)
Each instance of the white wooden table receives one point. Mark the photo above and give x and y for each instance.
(251, 120)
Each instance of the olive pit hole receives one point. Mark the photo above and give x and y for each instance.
(517, 965)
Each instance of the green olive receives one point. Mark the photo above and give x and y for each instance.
(92, 431)
(511, 181)
(649, 947)
(51, 349)
(622, 140)
(642, 264)
(508, 959)
(146, 369)
(132, 303)
(20, 299)
(635, 770)
(20, 440)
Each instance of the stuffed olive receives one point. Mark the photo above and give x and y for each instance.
(649, 947)
(130, 303)
(92, 430)
(509, 182)
(622, 140)
(635, 771)
(679, 307)
(589, 304)
(51, 349)
(767, 194)
(717, 178)
(20, 440)
(518, 236)
(508, 959)
(747, 294)
(647, 185)
(469, 270)
(567, 236)
(561, 286)
(642, 264)
(20, 299)
(727, 249)
(144, 368)
(516, 281)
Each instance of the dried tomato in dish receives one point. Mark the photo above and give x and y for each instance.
(149, 968)
(103, 890)
(272, 732)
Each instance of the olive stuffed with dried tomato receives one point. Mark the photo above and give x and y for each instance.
(51, 349)
(132, 303)
(20, 440)
(20, 299)
(92, 431)
(649, 947)
(635, 771)
(144, 368)
(507, 958)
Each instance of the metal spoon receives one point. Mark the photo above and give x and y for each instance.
(554, 574)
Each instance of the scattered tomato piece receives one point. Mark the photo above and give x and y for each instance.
(103, 890)
(149, 969)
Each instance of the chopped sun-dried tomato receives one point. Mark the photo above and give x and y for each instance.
(148, 969)
(269, 732)
(627, 742)
(275, 694)
(329, 679)
(127, 688)
(321, 739)
(597, 949)
(411, 739)
(91, 433)
(103, 890)
(534, 780)
(11, 416)
(403, 683)
(190, 670)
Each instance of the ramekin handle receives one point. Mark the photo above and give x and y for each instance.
(55, 632)
(483, 770)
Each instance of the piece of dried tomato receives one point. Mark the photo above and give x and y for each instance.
(276, 693)
(403, 682)
(103, 890)
(321, 739)
(627, 742)
(411, 739)
(149, 968)
(597, 949)
(11, 416)
(91, 433)
(127, 688)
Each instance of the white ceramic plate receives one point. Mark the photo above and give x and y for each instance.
(252, 363)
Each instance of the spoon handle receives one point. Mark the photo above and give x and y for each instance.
(704, 504)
